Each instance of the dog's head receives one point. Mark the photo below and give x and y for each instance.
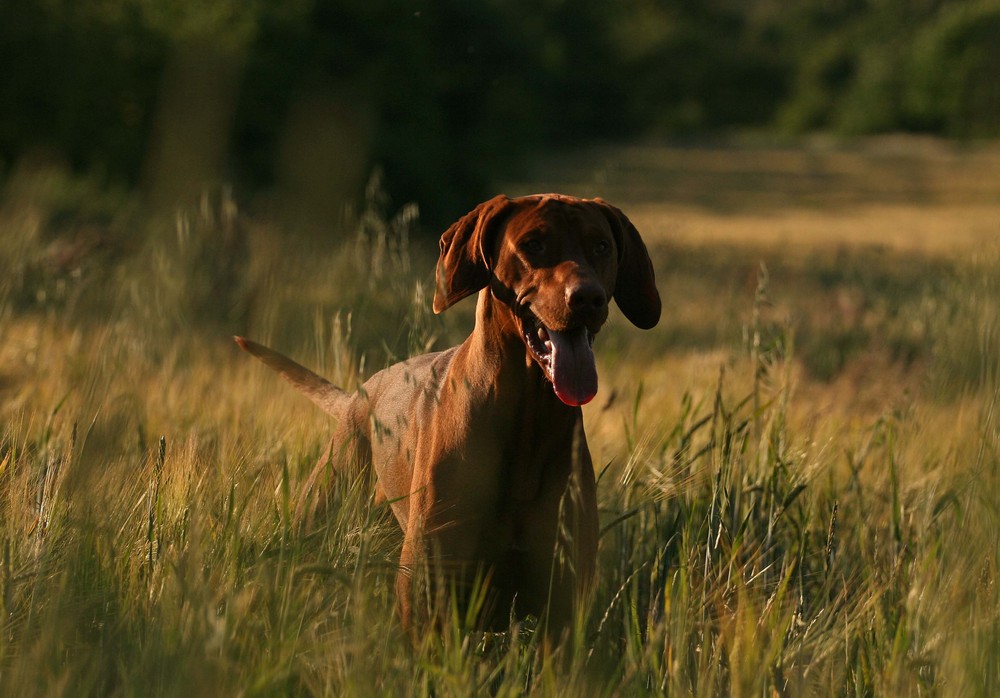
(555, 261)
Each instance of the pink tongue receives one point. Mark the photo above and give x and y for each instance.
(574, 373)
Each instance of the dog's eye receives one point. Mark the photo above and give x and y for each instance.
(603, 247)
(533, 246)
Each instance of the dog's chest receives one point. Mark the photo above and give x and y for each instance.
(539, 453)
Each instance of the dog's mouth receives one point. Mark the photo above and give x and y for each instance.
(566, 357)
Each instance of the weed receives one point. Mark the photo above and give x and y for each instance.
(755, 538)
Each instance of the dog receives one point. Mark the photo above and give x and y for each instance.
(479, 449)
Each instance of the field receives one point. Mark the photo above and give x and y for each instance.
(799, 468)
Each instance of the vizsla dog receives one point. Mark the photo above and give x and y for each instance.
(480, 449)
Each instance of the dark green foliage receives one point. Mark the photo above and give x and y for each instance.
(78, 78)
(448, 98)
(953, 84)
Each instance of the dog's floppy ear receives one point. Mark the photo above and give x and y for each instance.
(464, 265)
(635, 288)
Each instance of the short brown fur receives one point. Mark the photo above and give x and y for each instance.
(486, 470)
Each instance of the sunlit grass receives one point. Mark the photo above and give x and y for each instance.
(774, 519)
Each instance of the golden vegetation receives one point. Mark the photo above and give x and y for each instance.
(799, 467)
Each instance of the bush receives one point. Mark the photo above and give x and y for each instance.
(952, 84)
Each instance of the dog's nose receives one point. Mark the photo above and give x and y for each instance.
(586, 298)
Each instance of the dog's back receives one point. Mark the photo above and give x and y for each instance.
(480, 449)
(389, 413)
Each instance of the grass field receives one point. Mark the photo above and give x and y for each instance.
(799, 468)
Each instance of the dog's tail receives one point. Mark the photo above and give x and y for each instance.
(325, 394)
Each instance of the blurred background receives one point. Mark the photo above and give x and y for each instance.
(295, 104)
(799, 463)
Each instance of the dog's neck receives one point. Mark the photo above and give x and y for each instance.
(530, 408)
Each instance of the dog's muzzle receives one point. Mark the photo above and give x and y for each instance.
(566, 357)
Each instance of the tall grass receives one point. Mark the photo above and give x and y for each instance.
(149, 476)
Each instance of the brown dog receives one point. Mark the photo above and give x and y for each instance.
(480, 448)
